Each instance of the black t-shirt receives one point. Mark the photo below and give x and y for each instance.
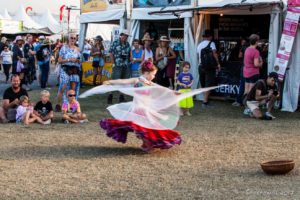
(26, 49)
(43, 109)
(11, 96)
(259, 85)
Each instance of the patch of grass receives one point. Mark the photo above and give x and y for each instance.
(218, 159)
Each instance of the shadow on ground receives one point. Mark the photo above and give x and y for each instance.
(56, 152)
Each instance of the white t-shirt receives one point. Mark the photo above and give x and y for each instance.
(148, 54)
(7, 57)
(204, 44)
(87, 49)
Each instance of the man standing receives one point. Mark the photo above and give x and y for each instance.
(120, 58)
(11, 100)
(262, 92)
(208, 63)
(36, 49)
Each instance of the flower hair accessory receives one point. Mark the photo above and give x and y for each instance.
(147, 65)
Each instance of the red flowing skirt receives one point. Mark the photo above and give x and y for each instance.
(118, 130)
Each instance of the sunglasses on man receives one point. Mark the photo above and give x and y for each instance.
(72, 95)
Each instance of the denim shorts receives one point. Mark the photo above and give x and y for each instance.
(120, 72)
(252, 79)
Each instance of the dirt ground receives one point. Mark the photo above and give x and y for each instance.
(219, 158)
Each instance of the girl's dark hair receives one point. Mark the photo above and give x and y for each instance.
(135, 40)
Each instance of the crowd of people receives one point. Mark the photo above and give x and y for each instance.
(25, 56)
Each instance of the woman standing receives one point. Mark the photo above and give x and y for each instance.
(17, 53)
(29, 53)
(6, 56)
(69, 58)
(164, 54)
(98, 61)
(252, 62)
(148, 54)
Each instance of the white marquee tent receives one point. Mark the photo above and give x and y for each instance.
(27, 21)
(5, 14)
(48, 21)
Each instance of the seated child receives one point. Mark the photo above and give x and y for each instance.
(71, 110)
(185, 81)
(25, 112)
(43, 109)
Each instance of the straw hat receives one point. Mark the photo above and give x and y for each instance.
(164, 39)
(46, 42)
(147, 38)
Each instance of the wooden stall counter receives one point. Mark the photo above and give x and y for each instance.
(88, 73)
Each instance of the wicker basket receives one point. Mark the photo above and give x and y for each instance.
(278, 167)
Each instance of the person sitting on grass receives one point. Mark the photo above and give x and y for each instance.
(262, 92)
(43, 108)
(25, 113)
(71, 110)
(185, 81)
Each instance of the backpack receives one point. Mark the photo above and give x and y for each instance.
(40, 54)
(208, 61)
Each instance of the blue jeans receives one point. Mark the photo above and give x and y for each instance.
(44, 74)
(239, 98)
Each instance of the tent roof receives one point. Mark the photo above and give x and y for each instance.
(48, 21)
(27, 21)
(5, 14)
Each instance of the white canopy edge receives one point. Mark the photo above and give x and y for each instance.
(102, 16)
(222, 3)
(142, 13)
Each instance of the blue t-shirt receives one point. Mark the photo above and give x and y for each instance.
(185, 79)
(135, 66)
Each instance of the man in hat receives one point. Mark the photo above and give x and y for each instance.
(43, 57)
(207, 76)
(262, 92)
(120, 58)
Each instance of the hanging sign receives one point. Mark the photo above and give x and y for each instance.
(294, 3)
(10, 26)
(93, 5)
(286, 42)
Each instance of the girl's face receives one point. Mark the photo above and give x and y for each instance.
(25, 103)
(150, 75)
(71, 96)
(186, 68)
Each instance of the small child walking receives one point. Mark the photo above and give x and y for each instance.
(25, 112)
(185, 81)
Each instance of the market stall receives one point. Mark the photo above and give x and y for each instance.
(231, 21)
